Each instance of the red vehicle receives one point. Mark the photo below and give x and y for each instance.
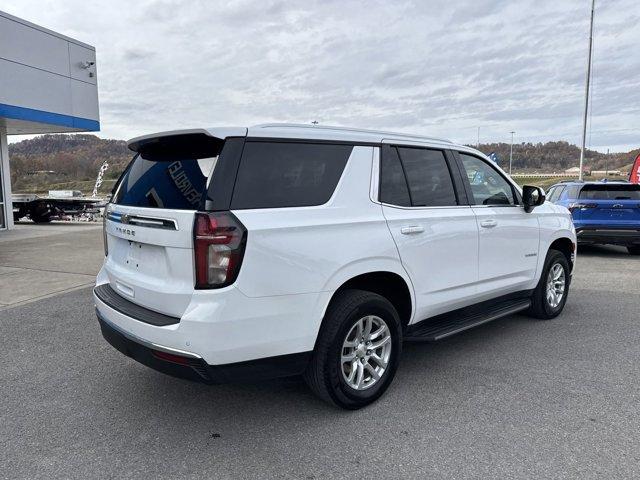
(634, 174)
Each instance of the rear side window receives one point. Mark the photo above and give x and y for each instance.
(610, 192)
(178, 183)
(279, 174)
(428, 177)
(393, 184)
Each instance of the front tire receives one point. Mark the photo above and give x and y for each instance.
(357, 351)
(551, 293)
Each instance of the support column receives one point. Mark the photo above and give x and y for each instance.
(6, 217)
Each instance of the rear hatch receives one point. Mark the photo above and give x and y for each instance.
(611, 205)
(149, 224)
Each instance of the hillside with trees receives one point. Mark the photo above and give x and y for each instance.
(552, 157)
(72, 161)
(65, 162)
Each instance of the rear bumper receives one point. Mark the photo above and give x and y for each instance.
(222, 326)
(190, 366)
(611, 236)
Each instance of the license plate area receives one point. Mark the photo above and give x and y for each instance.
(141, 257)
(134, 255)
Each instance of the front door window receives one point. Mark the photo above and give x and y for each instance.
(487, 185)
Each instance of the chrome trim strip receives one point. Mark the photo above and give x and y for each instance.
(150, 222)
(144, 342)
(141, 221)
(446, 207)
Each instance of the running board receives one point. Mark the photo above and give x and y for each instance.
(443, 326)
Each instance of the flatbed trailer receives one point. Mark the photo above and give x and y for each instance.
(43, 209)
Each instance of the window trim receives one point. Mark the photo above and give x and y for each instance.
(517, 197)
(459, 192)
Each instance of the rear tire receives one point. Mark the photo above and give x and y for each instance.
(547, 301)
(344, 368)
(633, 249)
(40, 219)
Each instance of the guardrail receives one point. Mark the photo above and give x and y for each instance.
(593, 173)
(542, 175)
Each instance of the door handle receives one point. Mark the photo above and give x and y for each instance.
(411, 229)
(488, 223)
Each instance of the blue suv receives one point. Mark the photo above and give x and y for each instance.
(603, 212)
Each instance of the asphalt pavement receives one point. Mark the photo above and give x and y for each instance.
(37, 261)
(516, 398)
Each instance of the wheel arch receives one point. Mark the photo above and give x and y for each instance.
(567, 247)
(392, 285)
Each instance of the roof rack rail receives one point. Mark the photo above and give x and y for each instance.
(334, 128)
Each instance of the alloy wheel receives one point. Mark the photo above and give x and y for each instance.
(365, 352)
(556, 282)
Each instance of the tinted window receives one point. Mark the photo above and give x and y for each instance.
(428, 176)
(393, 184)
(572, 192)
(273, 174)
(611, 192)
(554, 193)
(177, 183)
(487, 185)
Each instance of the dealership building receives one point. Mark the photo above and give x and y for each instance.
(48, 84)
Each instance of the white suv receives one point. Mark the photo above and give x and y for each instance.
(235, 253)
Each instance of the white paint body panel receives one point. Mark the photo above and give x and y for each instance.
(441, 256)
(508, 252)
(152, 267)
(296, 258)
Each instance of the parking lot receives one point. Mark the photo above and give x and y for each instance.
(516, 398)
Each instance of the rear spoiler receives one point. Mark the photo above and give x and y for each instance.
(187, 144)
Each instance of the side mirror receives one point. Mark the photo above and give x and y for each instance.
(532, 197)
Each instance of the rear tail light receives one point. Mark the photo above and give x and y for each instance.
(581, 206)
(219, 240)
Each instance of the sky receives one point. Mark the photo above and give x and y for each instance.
(433, 67)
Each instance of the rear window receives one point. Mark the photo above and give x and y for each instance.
(278, 174)
(610, 192)
(175, 184)
(170, 171)
(428, 176)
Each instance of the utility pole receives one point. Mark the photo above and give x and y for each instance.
(511, 153)
(586, 94)
(478, 142)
